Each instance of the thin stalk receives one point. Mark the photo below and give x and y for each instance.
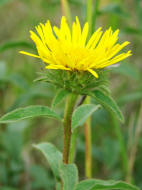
(87, 126)
(88, 146)
(94, 16)
(70, 104)
(66, 11)
(2, 109)
(123, 150)
(134, 147)
(73, 146)
(89, 15)
(74, 136)
(88, 149)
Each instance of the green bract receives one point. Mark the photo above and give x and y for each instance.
(79, 82)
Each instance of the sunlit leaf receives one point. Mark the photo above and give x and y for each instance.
(20, 44)
(94, 184)
(2, 2)
(69, 175)
(61, 94)
(130, 97)
(53, 156)
(28, 112)
(114, 8)
(108, 103)
(128, 70)
(82, 113)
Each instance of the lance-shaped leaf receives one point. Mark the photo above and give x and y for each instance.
(11, 45)
(69, 176)
(28, 112)
(82, 113)
(108, 103)
(53, 156)
(61, 94)
(94, 184)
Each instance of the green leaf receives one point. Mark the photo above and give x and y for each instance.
(61, 94)
(127, 70)
(28, 112)
(132, 30)
(94, 184)
(58, 186)
(53, 156)
(69, 175)
(3, 70)
(8, 188)
(108, 103)
(9, 45)
(114, 8)
(81, 114)
(41, 177)
(130, 97)
(2, 2)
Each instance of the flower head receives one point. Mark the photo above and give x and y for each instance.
(65, 49)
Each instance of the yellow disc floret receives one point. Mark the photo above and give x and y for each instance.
(65, 49)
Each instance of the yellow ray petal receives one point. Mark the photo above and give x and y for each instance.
(57, 67)
(116, 49)
(84, 34)
(29, 54)
(116, 59)
(93, 73)
(94, 38)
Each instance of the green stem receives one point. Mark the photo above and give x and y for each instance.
(73, 146)
(91, 18)
(88, 145)
(123, 150)
(66, 11)
(94, 17)
(133, 144)
(67, 126)
(89, 15)
(74, 136)
(88, 149)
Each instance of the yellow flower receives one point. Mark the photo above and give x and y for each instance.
(65, 49)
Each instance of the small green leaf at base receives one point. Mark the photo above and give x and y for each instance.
(28, 112)
(108, 103)
(82, 113)
(69, 176)
(94, 184)
(53, 156)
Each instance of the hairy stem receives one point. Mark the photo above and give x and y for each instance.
(73, 146)
(74, 135)
(70, 104)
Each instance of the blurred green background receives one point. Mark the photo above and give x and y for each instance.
(117, 148)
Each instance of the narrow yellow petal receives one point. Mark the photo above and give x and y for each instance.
(29, 54)
(57, 67)
(116, 49)
(116, 59)
(94, 38)
(78, 28)
(93, 73)
(84, 34)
